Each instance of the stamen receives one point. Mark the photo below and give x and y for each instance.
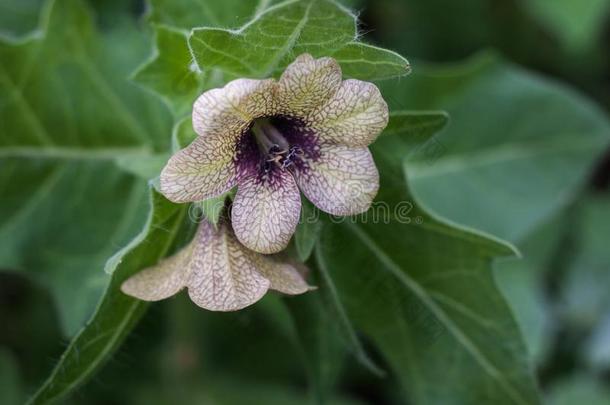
(275, 149)
(268, 137)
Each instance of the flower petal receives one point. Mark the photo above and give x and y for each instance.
(343, 181)
(354, 116)
(308, 83)
(202, 170)
(284, 277)
(228, 111)
(266, 211)
(223, 276)
(160, 281)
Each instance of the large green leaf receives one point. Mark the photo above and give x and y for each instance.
(116, 313)
(66, 113)
(517, 150)
(424, 292)
(269, 42)
(65, 94)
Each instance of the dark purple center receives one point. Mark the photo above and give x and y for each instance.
(273, 145)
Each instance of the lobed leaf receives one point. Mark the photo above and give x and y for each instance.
(272, 39)
(423, 292)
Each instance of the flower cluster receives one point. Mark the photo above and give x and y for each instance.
(307, 131)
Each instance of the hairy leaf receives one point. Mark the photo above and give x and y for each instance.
(368, 62)
(117, 313)
(187, 14)
(267, 44)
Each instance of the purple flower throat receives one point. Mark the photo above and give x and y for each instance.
(272, 145)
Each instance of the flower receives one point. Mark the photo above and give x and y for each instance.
(219, 273)
(309, 130)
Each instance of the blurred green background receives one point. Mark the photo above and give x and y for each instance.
(533, 71)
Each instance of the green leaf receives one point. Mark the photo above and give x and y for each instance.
(170, 73)
(286, 30)
(61, 221)
(522, 280)
(341, 319)
(412, 130)
(187, 14)
(146, 167)
(66, 114)
(415, 129)
(98, 114)
(368, 62)
(324, 351)
(278, 35)
(117, 313)
(423, 292)
(511, 156)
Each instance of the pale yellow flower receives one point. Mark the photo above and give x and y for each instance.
(309, 130)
